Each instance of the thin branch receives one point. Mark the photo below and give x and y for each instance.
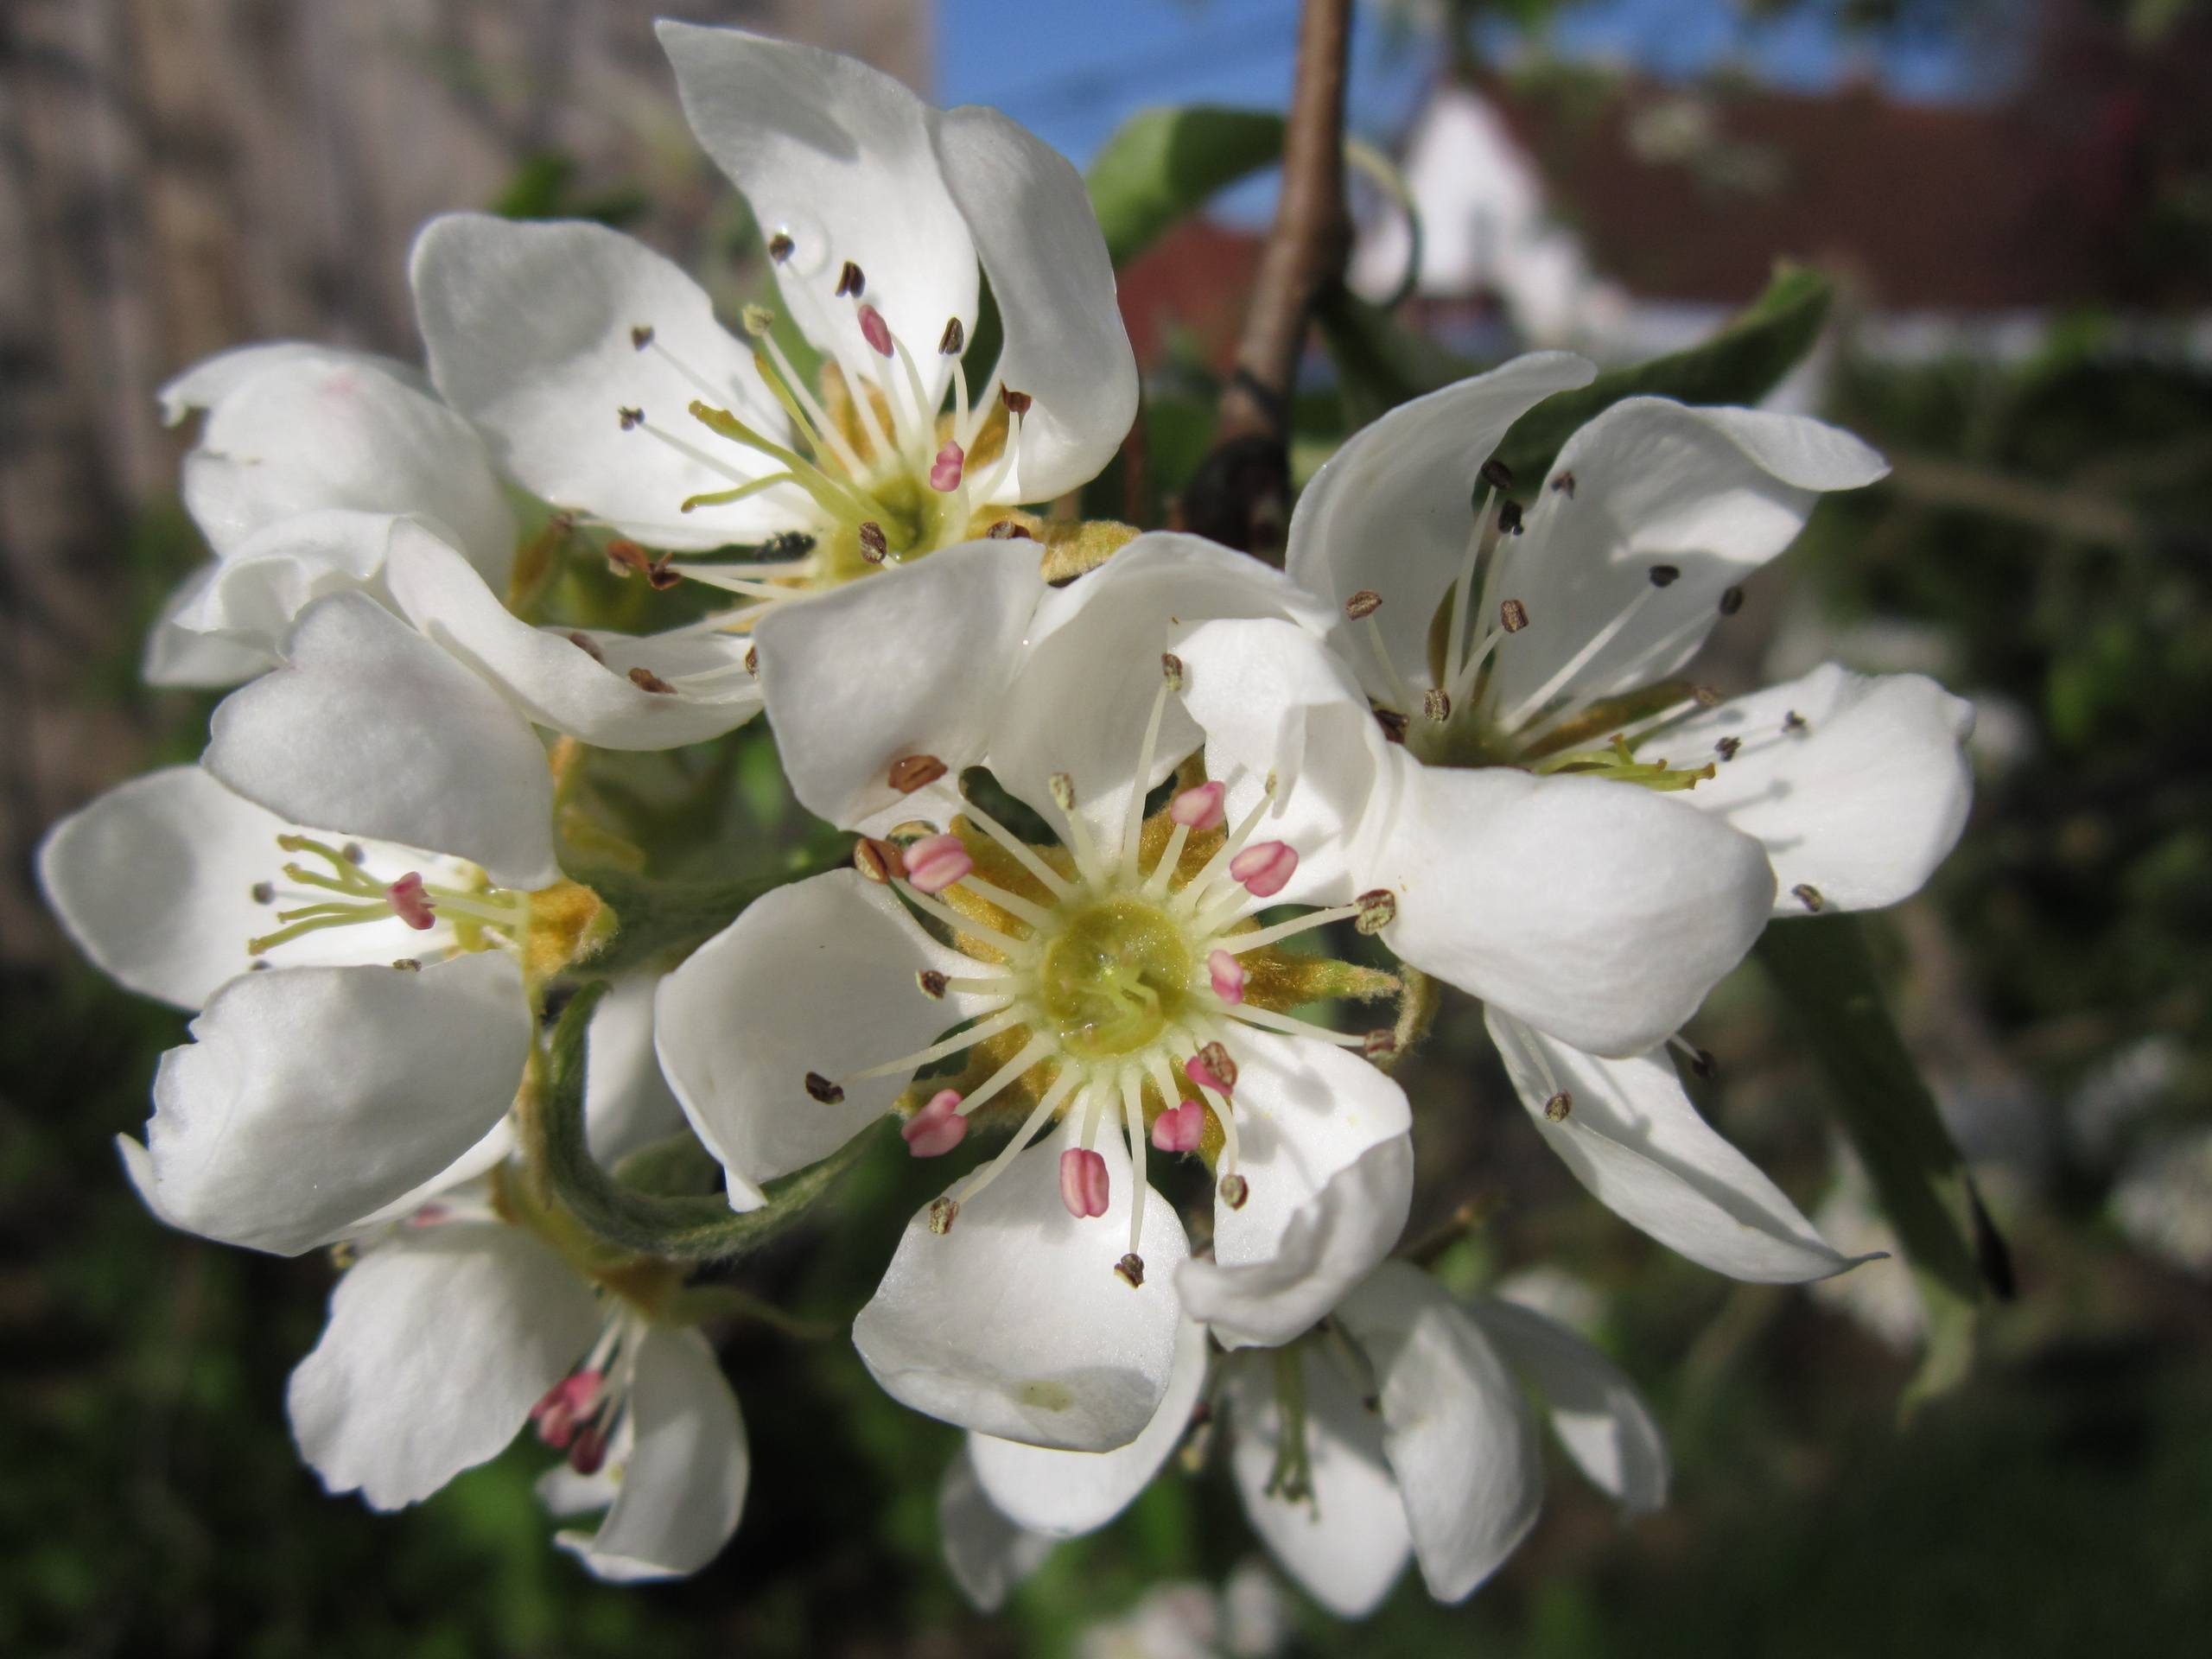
(1242, 493)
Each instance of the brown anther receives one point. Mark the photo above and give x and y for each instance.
(645, 680)
(942, 1212)
(1234, 1189)
(1380, 1043)
(1393, 724)
(1130, 1270)
(588, 646)
(1513, 616)
(1565, 485)
(1701, 1062)
(1063, 791)
(1365, 602)
(353, 852)
(623, 556)
(874, 545)
(851, 282)
(823, 1089)
(1509, 517)
(1007, 531)
(753, 660)
(1378, 908)
(780, 247)
(1215, 1058)
(632, 418)
(879, 860)
(259, 965)
(1017, 403)
(1558, 1106)
(264, 892)
(407, 965)
(758, 320)
(911, 771)
(1436, 704)
(1732, 600)
(1727, 747)
(1705, 696)
(1793, 724)
(641, 336)
(953, 340)
(1810, 896)
(1497, 475)
(932, 983)
(1664, 575)
(1171, 668)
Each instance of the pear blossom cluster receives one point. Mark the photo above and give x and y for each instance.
(1152, 871)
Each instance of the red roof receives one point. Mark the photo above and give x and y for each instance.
(1191, 286)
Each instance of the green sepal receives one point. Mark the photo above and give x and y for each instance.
(658, 920)
(668, 1228)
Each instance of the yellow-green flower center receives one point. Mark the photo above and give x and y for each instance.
(1116, 976)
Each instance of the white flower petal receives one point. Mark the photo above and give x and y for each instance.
(529, 327)
(337, 430)
(1390, 511)
(252, 598)
(1456, 1429)
(1063, 1494)
(1275, 700)
(817, 976)
(556, 682)
(683, 1479)
(1049, 270)
(212, 379)
(1348, 1543)
(440, 1341)
(176, 656)
(1862, 803)
(1632, 1137)
(987, 1554)
(1594, 910)
(1325, 1145)
(310, 1096)
(1715, 493)
(1080, 703)
(835, 154)
(376, 730)
(1598, 1413)
(940, 640)
(1015, 1323)
(627, 1102)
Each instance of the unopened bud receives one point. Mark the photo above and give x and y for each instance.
(823, 1089)
(954, 339)
(875, 546)
(1365, 602)
(641, 336)
(1171, 668)
(911, 771)
(1664, 575)
(1810, 896)
(1130, 1270)
(1436, 704)
(942, 1212)
(851, 282)
(1558, 1106)
(1234, 1189)
(645, 680)
(1377, 910)
(879, 860)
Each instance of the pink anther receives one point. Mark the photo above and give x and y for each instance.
(1265, 868)
(1228, 975)
(1199, 807)
(877, 330)
(935, 862)
(1180, 1128)
(938, 1128)
(1083, 1183)
(410, 903)
(944, 473)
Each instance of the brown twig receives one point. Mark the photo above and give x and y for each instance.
(1241, 494)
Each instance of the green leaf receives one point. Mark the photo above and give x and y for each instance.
(1165, 163)
(657, 920)
(1382, 364)
(1826, 974)
(674, 1229)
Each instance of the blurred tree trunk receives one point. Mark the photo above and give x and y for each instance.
(178, 176)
